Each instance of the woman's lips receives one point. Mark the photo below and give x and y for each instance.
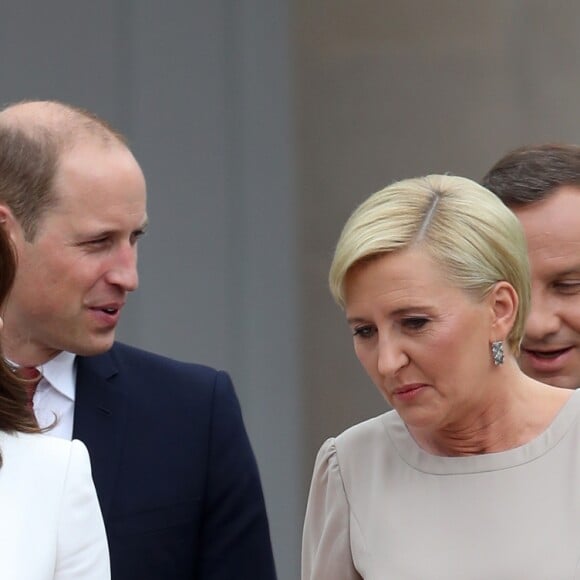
(409, 392)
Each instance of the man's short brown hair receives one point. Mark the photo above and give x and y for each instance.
(33, 136)
(531, 173)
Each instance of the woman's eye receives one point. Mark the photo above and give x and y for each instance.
(415, 322)
(568, 287)
(363, 331)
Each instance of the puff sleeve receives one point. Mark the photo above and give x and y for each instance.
(326, 545)
(82, 552)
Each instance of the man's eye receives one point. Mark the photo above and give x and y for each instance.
(415, 322)
(136, 236)
(364, 331)
(96, 243)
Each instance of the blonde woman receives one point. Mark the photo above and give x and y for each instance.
(475, 473)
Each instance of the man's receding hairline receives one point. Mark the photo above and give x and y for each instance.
(36, 136)
(66, 125)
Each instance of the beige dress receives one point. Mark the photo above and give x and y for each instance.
(382, 508)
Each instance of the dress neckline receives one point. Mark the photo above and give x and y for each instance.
(421, 460)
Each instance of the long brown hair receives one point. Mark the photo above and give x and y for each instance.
(14, 413)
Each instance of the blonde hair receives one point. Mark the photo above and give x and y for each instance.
(463, 226)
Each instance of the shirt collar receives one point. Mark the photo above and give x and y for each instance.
(60, 372)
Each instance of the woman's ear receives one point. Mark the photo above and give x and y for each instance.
(5, 213)
(8, 221)
(503, 301)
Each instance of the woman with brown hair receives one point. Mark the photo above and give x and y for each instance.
(51, 527)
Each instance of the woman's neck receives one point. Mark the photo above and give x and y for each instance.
(501, 423)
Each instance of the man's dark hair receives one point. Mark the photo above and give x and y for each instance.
(531, 173)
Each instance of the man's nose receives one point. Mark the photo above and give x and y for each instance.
(123, 270)
(544, 319)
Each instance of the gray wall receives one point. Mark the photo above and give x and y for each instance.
(260, 125)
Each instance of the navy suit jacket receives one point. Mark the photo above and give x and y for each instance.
(175, 474)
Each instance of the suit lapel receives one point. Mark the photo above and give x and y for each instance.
(100, 410)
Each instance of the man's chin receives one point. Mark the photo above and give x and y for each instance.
(93, 348)
(562, 381)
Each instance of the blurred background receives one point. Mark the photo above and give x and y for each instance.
(260, 125)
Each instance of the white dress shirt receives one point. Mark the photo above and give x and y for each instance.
(55, 395)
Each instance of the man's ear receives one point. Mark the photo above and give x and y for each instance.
(503, 301)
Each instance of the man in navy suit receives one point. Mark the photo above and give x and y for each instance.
(173, 467)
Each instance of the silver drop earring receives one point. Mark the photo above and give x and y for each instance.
(497, 352)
